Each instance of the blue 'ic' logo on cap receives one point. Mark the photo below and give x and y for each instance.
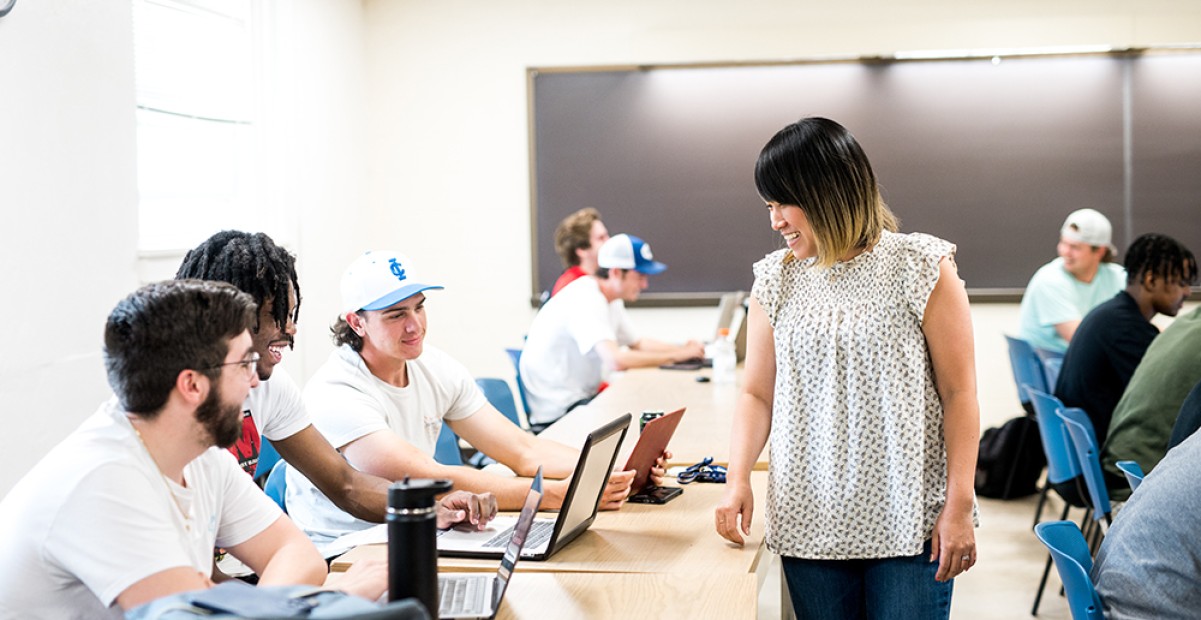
(397, 270)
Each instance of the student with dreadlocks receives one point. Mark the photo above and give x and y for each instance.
(1112, 338)
(274, 409)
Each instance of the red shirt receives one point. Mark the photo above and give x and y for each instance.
(566, 278)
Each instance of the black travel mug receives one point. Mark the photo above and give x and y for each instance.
(412, 541)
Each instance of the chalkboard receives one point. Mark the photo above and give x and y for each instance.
(989, 155)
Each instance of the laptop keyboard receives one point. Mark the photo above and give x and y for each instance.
(464, 596)
(539, 533)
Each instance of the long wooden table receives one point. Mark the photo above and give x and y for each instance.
(674, 538)
(704, 430)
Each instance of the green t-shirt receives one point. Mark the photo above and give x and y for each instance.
(1055, 296)
(1142, 422)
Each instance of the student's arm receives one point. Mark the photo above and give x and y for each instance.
(752, 423)
(160, 584)
(362, 495)
(493, 434)
(385, 454)
(1067, 329)
(947, 325)
(646, 353)
(282, 555)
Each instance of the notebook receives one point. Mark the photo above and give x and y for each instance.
(577, 513)
(476, 595)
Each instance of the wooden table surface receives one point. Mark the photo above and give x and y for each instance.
(673, 538)
(703, 431)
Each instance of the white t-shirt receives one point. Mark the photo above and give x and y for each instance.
(559, 363)
(94, 517)
(273, 409)
(347, 402)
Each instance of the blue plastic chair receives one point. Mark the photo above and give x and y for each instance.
(515, 357)
(1073, 562)
(1027, 369)
(1134, 473)
(268, 457)
(1084, 442)
(500, 396)
(1051, 368)
(1062, 464)
(446, 451)
(277, 484)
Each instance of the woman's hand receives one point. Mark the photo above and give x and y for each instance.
(953, 545)
(738, 503)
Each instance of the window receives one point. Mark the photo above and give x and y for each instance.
(198, 141)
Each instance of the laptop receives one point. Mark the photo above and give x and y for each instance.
(577, 513)
(476, 595)
(652, 441)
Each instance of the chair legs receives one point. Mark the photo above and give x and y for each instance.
(1042, 500)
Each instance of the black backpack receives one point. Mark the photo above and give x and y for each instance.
(1011, 460)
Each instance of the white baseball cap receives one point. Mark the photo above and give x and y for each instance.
(378, 279)
(628, 252)
(1088, 226)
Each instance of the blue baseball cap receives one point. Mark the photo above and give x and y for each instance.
(378, 279)
(628, 252)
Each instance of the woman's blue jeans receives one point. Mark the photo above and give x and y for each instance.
(900, 588)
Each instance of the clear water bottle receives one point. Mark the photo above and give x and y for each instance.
(724, 358)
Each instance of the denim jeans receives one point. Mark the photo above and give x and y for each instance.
(900, 588)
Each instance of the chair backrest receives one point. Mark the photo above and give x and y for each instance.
(1027, 369)
(1073, 563)
(446, 451)
(268, 457)
(1061, 460)
(1134, 473)
(1052, 364)
(1084, 442)
(277, 484)
(500, 396)
(515, 357)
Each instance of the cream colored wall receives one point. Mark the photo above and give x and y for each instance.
(449, 180)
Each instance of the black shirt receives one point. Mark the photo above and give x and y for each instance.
(1106, 348)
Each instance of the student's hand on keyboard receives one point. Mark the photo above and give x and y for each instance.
(367, 578)
(617, 490)
(475, 509)
(659, 469)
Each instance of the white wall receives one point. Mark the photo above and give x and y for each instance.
(405, 126)
(67, 213)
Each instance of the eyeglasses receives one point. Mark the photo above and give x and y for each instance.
(249, 365)
(704, 471)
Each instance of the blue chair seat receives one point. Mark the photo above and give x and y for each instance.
(1073, 562)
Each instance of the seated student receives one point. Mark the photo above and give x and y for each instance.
(578, 238)
(128, 508)
(1065, 289)
(274, 408)
(1149, 564)
(1142, 422)
(577, 338)
(1189, 418)
(383, 395)
(1113, 337)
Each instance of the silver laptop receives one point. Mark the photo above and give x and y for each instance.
(476, 595)
(577, 513)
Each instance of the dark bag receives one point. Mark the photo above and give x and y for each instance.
(1011, 460)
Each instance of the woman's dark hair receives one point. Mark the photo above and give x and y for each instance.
(253, 263)
(165, 328)
(1162, 257)
(342, 334)
(817, 165)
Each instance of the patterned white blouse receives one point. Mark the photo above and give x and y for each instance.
(858, 463)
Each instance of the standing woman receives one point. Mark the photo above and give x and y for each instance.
(860, 369)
